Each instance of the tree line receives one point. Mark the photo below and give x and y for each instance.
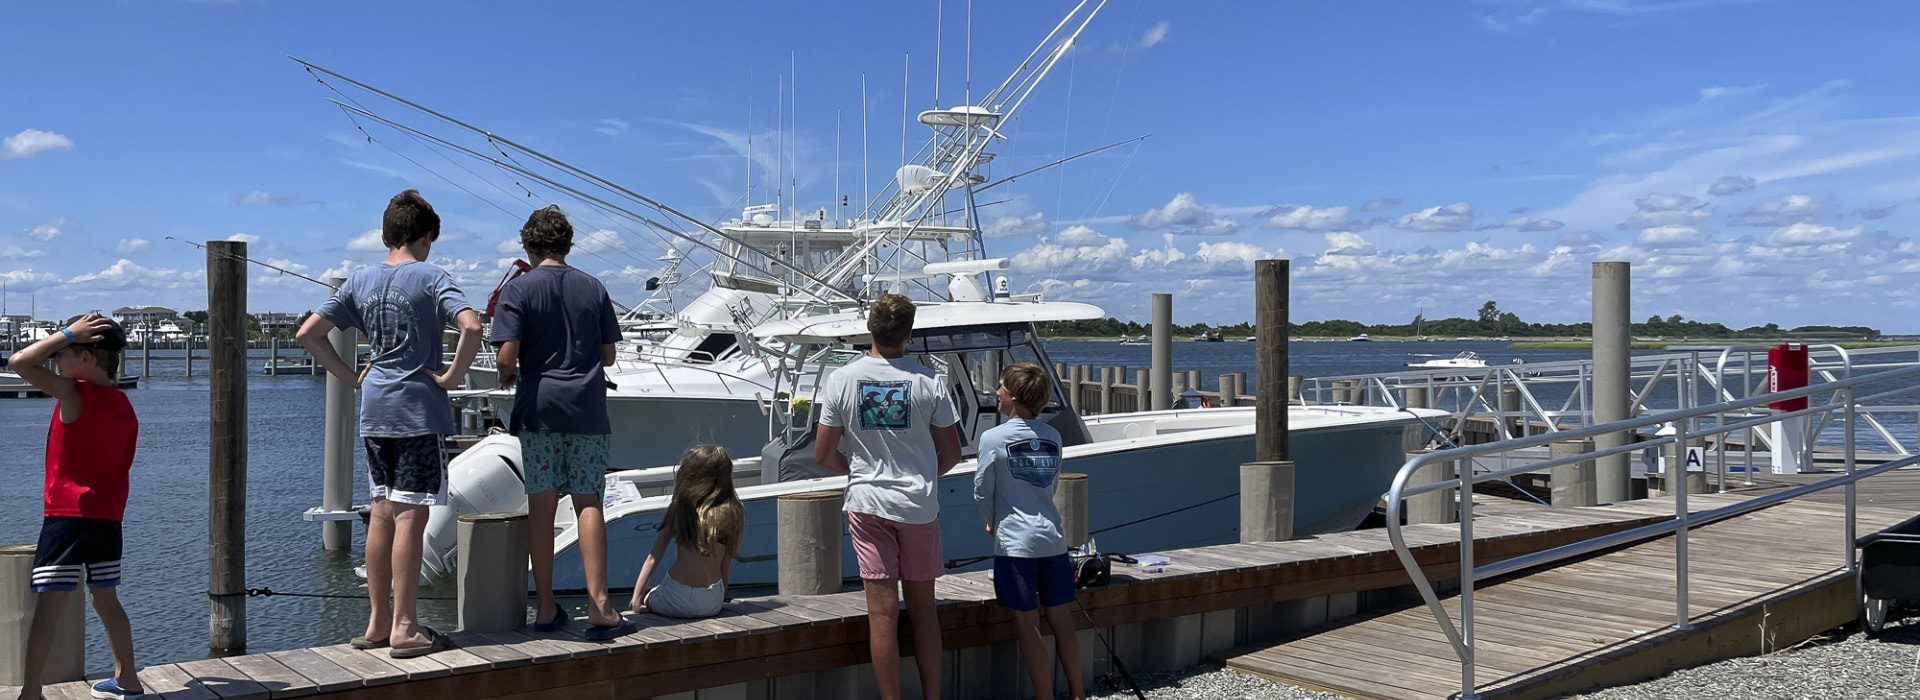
(1489, 322)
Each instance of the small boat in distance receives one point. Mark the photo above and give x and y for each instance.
(1209, 337)
(1252, 338)
(1464, 360)
(1134, 340)
(1362, 338)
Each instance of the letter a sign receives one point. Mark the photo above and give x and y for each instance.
(1696, 459)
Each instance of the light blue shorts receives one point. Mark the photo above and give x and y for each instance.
(565, 462)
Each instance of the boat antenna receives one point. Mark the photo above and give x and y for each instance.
(939, 18)
(793, 144)
(1061, 161)
(749, 138)
(779, 145)
(905, 74)
(842, 216)
(866, 176)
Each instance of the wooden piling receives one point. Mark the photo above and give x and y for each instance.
(68, 660)
(1193, 380)
(188, 343)
(1294, 383)
(1228, 392)
(273, 356)
(1573, 484)
(1107, 376)
(1070, 498)
(1266, 484)
(1436, 507)
(491, 573)
(1076, 376)
(1142, 384)
(1415, 397)
(809, 542)
(227, 447)
(146, 351)
(1612, 381)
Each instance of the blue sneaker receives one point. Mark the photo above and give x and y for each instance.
(109, 690)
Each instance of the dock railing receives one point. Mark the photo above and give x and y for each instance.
(1845, 396)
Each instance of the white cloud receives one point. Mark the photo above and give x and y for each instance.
(611, 126)
(1016, 225)
(601, 241)
(511, 247)
(28, 280)
(340, 271)
(1806, 234)
(1530, 224)
(1185, 215)
(367, 242)
(1447, 217)
(275, 278)
(16, 252)
(263, 198)
(1731, 185)
(30, 142)
(130, 245)
(1671, 235)
(1780, 211)
(126, 275)
(1155, 34)
(1665, 209)
(1302, 217)
(1080, 235)
(1233, 254)
(1349, 243)
(246, 238)
(48, 231)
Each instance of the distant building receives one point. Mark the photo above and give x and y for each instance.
(131, 315)
(273, 321)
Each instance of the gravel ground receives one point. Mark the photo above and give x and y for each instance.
(1844, 664)
(1205, 682)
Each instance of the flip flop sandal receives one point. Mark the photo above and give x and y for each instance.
(363, 644)
(559, 621)
(596, 633)
(440, 642)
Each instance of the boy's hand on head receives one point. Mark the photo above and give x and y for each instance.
(90, 328)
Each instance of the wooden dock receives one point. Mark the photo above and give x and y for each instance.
(1209, 601)
(1759, 583)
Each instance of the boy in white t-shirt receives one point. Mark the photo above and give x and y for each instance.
(888, 423)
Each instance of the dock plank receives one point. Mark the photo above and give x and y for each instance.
(369, 670)
(325, 675)
(169, 682)
(280, 681)
(223, 680)
(498, 656)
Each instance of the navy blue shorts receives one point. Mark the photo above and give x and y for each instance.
(73, 550)
(1022, 584)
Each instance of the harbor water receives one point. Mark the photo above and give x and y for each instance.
(165, 582)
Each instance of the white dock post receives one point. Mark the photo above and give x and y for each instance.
(1193, 380)
(1179, 388)
(146, 351)
(1076, 377)
(68, 659)
(1162, 353)
(336, 470)
(1070, 498)
(1509, 406)
(809, 542)
(1229, 391)
(1415, 397)
(273, 356)
(1612, 360)
(491, 573)
(1266, 501)
(1573, 484)
(1437, 507)
(1294, 382)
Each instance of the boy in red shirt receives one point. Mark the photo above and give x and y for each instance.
(90, 442)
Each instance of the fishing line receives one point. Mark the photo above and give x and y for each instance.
(242, 258)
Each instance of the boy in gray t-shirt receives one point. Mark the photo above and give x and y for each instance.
(402, 305)
(556, 330)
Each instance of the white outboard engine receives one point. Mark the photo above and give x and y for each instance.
(486, 478)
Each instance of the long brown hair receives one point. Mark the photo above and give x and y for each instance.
(705, 513)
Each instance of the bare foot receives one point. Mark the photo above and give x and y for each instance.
(415, 637)
(603, 615)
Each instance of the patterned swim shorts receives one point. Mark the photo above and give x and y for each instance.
(565, 462)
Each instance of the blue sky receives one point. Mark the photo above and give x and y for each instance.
(1754, 160)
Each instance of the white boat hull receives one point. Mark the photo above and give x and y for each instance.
(1162, 488)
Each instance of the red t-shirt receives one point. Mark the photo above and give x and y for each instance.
(88, 459)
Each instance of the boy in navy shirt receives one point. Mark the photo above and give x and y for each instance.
(1013, 485)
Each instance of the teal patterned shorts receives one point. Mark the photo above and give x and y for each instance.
(565, 462)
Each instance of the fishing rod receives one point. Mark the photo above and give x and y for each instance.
(245, 259)
(1062, 161)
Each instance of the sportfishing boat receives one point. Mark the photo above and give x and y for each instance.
(1346, 455)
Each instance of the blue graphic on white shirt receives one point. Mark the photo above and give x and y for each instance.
(1034, 461)
(885, 405)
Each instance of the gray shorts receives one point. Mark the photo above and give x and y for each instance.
(410, 470)
(675, 599)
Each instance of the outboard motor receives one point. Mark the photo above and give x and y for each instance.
(486, 478)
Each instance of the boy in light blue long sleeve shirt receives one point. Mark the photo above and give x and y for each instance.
(1013, 485)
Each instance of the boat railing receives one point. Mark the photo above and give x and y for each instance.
(1847, 397)
(1503, 401)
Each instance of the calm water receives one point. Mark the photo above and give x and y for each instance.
(165, 558)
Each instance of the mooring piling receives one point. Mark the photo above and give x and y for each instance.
(227, 446)
(1612, 400)
(809, 542)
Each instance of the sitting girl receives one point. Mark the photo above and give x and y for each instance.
(706, 520)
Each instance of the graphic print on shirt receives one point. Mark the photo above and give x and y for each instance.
(389, 319)
(885, 405)
(1034, 461)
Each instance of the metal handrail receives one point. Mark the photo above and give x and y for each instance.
(1462, 482)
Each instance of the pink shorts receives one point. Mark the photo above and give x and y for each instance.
(889, 549)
